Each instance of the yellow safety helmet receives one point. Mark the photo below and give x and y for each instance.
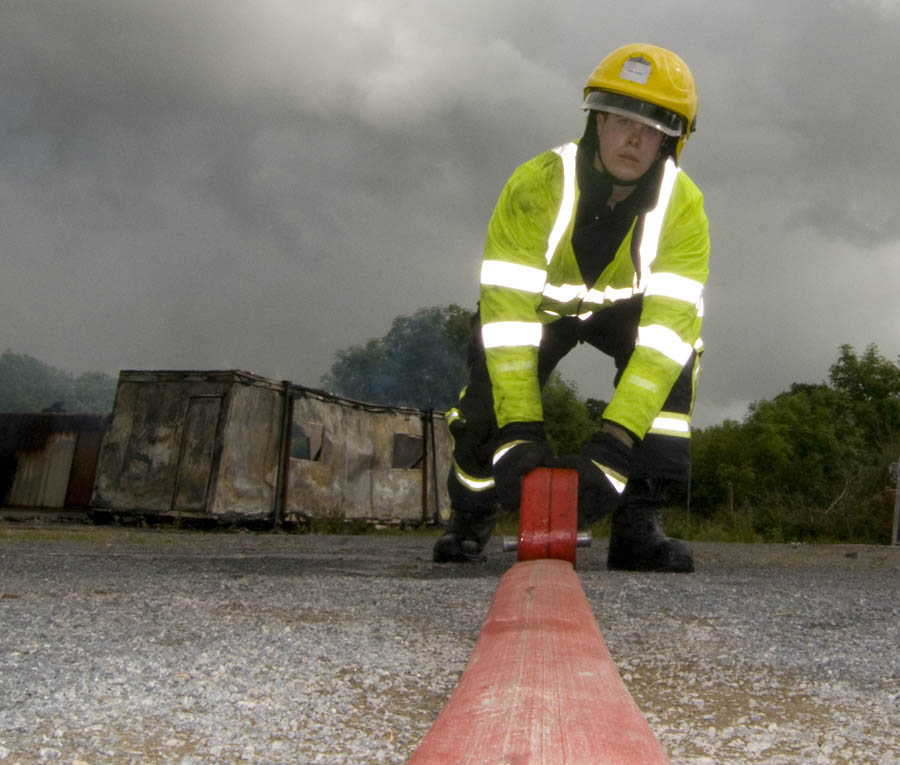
(649, 84)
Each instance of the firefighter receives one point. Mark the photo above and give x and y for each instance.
(601, 241)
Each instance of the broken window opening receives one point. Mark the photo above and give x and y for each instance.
(306, 441)
(409, 451)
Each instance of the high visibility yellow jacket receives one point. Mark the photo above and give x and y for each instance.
(530, 277)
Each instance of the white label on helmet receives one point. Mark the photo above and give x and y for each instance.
(636, 70)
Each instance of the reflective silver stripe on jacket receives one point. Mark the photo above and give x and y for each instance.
(567, 152)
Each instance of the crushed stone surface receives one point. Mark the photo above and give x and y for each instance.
(148, 646)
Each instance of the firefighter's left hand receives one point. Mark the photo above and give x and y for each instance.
(603, 465)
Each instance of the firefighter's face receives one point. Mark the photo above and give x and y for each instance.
(627, 148)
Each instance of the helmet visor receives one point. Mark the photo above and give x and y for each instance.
(667, 122)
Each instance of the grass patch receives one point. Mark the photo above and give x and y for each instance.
(723, 526)
(97, 535)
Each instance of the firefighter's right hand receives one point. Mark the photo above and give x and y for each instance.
(523, 447)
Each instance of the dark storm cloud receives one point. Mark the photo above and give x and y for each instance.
(257, 184)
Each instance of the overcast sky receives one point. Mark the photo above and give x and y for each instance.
(255, 184)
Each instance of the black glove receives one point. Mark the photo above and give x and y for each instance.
(604, 464)
(522, 448)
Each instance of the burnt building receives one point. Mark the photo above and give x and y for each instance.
(234, 446)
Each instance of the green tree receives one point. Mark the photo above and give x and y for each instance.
(872, 386)
(809, 457)
(92, 392)
(29, 385)
(719, 460)
(567, 418)
(805, 439)
(420, 362)
(595, 409)
(811, 463)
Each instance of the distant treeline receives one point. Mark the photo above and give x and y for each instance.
(29, 385)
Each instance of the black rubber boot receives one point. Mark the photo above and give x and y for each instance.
(465, 538)
(637, 541)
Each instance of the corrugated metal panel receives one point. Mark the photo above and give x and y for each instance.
(43, 477)
(38, 453)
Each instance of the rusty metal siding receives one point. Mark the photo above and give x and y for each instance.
(42, 477)
(84, 468)
(40, 460)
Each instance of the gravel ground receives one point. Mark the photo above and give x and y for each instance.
(123, 645)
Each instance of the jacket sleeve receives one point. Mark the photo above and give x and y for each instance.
(669, 328)
(513, 274)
